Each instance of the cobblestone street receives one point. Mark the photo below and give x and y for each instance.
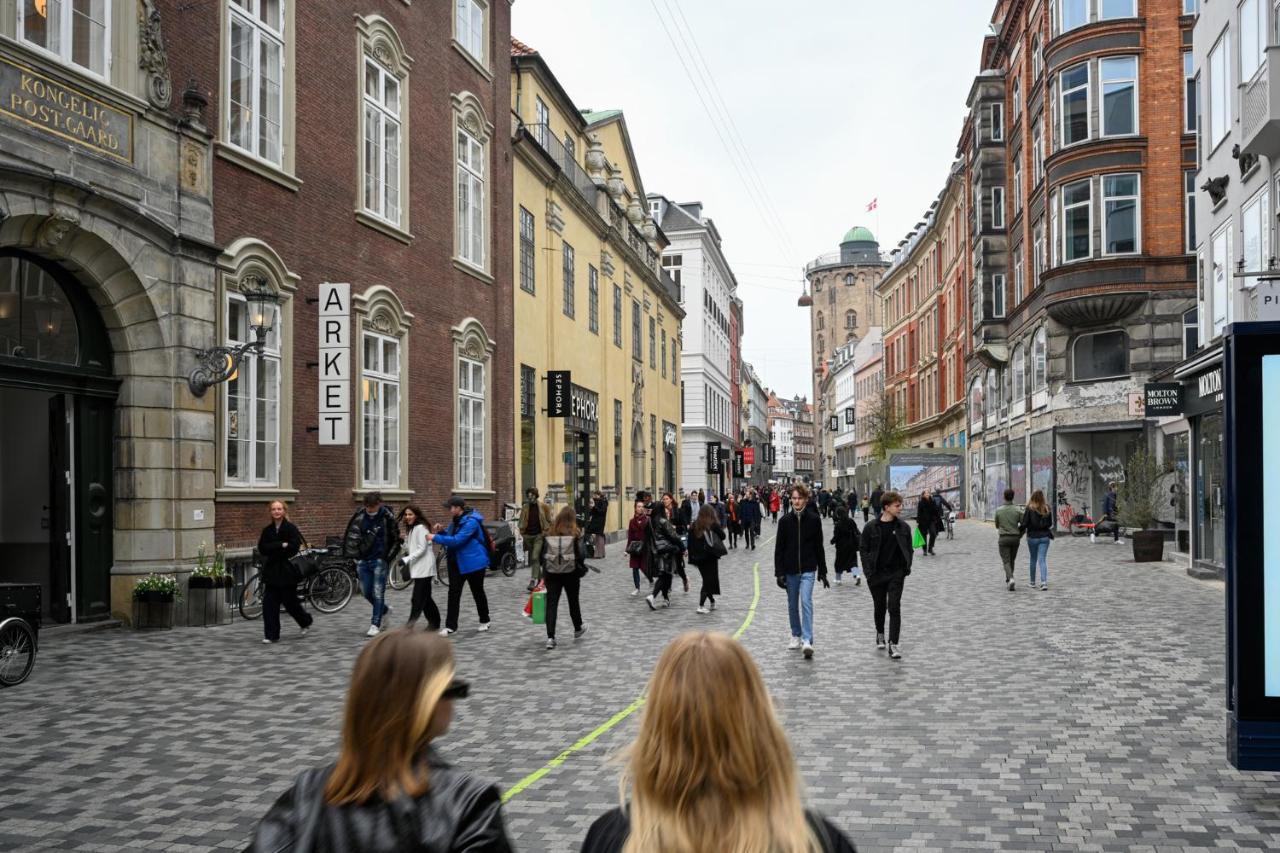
(1087, 717)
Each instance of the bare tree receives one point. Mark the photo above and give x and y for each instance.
(885, 426)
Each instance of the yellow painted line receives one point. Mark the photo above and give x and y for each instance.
(595, 734)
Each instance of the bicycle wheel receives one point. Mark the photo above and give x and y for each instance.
(442, 570)
(17, 651)
(508, 564)
(330, 590)
(251, 598)
(397, 579)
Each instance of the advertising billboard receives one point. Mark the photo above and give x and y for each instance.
(911, 472)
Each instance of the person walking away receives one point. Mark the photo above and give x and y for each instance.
(749, 512)
(680, 521)
(786, 503)
(535, 518)
(800, 558)
(877, 497)
(711, 769)
(845, 537)
(823, 498)
(279, 542)
(721, 515)
(468, 548)
(1037, 524)
(390, 789)
(1110, 505)
(1009, 535)
(420, 563)
(775, 505)
(566, 564)
(595, 525)
(664, 548)
(885, 548)
(927, 521)
(373, 540)
(733, 517)
(706, 547)
(945, 509)
(866, 509)
(637, 549)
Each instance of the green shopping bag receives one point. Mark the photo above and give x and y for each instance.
(539, 608)
(917, 538)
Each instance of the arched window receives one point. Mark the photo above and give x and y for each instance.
(822, 349)
(1100, 355)
(1039, 357)
(382, 353)
(851, 319)
(817, 285)
(975, 406)
(992, 399)
(821, 321)
(1019, 370)
(384, 113)
(473, 356)
(37, 322)
(849, 280)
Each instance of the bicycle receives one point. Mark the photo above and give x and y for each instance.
(327, 590)
(17, 650)
(1076, 523)
(951, 524)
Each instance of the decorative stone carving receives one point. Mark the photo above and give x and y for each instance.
(473, 348)
(637, 393)
(615, 186)
(1217, 188)
(626, 281)
(192, 172)
(635, 213)
(193, 103)
(606, 263)
(597, 164)
(152, 57)
(56, 228)
(382, 322)
(650, 231)
(555, 217)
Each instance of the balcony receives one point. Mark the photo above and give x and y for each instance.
(1260, 109)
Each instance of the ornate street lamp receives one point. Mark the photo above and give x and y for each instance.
(221, 363)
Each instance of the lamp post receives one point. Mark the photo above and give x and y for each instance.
(219, 364)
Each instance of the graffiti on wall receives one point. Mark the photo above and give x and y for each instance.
(1074, 473)
(1110, 469)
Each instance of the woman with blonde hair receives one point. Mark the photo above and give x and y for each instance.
(1037, 523)
(389, 790)
(279, 542)
(711, 769)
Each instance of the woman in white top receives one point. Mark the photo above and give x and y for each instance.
(420, 559)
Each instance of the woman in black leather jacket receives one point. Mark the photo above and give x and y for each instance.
(664, 553)
(389, 791)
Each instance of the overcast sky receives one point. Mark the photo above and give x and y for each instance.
(834, 103)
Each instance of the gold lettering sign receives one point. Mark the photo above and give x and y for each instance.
(56, 108)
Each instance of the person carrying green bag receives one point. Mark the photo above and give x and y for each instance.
(917, 539)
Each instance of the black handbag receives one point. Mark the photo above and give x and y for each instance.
(635, 547)
(715, 544)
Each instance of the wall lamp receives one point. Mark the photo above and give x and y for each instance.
(220, 364)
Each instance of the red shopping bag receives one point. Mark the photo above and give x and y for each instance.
(528, 605)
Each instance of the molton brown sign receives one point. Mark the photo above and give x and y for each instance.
(56, 108)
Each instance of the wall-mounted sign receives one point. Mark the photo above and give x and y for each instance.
(335, 363)
(558, 384)
(749, 455)
(1163, 399)
(713, 457)
(38, 101)
(739, 464)
(1137, 407)
(668, 436)
(1210, 384)
(584, 409)
(848, 415)
(833, 423)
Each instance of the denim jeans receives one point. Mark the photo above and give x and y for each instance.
(1039, 552)
(373, 585)
(800, 604)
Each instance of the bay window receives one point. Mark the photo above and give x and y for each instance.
(1119, 77)
(997, 295)
(1074, 103)
(1120, 214)
(78, 33)
(997, 207)
(1072, 14)
(1077, 221)
(1110, 9)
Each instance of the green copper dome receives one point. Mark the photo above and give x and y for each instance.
(859, 235)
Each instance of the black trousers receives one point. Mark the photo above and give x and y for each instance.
(272, 598)
(930, 537)
(424, 603)
(733, 538)
(475, 580)
(662, 586)
(888, 597)
(569, 584)
(749, 532)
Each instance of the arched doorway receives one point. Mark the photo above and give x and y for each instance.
(57, 398)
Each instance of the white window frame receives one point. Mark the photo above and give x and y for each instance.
(1037, 151)
(999, 296)
(66, 36)
(375, 381)
(471, 39)
(1220, 90)
(378, 311)
(376, 110)
(246, 13)
(246, 377)
(997, 207)
(473, 475)
(473, 132)
(1255, 227)
(1103, 82)
(1063, 92)
(1131, 13)
(1016, 97)
(472, 407)
(995, 119)
(1137, 212)
(1038, 253)
(1221, 265)
(1189, 204)
(1019, 278)
(1253, 37)
(1039, 368)
(1058, 24)
(1018, 367)
(1017, 184)
(1062, 220)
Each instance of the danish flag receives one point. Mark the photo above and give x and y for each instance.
(874, 203)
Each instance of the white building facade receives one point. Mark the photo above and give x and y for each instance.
(844, 410)
(784, 448)
(695, 260)
(755, 402)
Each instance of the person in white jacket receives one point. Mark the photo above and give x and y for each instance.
(420, 559)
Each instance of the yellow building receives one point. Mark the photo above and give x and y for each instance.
(591, 298)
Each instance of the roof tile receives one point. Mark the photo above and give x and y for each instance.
(519, 48)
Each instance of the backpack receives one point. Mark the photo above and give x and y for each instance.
(560, 556)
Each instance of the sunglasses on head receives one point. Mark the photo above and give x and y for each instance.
(457, 689)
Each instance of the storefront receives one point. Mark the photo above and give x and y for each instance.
(669, 439)
(1200, 445)
(582, 447)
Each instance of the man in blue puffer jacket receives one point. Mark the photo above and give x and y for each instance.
(468, 551)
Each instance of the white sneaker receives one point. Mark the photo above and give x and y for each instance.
(840, 581)
(483, 626)
(808, 651)
(444, 632)
(702, 610)
(1119, 541)
(635, 592)
(1093, 538)
(373, 631)
(893, 652)
(794, 644)
(1044, 586)
(648, 599)
(268, 642)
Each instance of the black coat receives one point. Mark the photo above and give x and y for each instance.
(610, 831)
(1036, 525)
(869, 549)
(927, 515)
(875, 500)
(458, 813)
(661, 530)
(749, 512)
(845, 538)
(277, 547)
(800, 546)
(354, 544)
(699, 553)
(599, 510)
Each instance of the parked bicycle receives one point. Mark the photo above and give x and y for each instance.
(328, 580)
(503, 558)
(951, 524)
(1075, 523)
(19, 631)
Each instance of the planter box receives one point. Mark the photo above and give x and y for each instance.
(209, 601)
(1148, 546)
(152, 611)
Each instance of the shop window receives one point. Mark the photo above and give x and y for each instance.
(473, 355)
(76, 33)
(1100, 355)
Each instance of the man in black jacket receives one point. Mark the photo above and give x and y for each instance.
(877, 495)
(886, 561)
(800, 557)
(373, 540)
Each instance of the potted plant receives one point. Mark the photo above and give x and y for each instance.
(209, 596)
(153, 598)
(1138, 505)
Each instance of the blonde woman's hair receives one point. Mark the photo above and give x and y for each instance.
(1038, 503)
(284, 506)
(711, 769)
(396, 685)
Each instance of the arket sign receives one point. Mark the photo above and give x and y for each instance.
(335, 364)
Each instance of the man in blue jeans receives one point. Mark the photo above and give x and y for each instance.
(799, 559)
(373, 540)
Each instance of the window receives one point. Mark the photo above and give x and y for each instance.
(1072, 14)
(593, 300)
(1019, 372)
(1074, 113)
(1253, 38)
(567, 262)
(542, 122)
(849, 280)
(471, 423)
(975, 406)
(1017, 184)
(1109, 9)
(617, 316)
(1037, 152)
(1019, 281)
(851, 319)
(1254, 232)
(1017, 98)
(383, 151)
(78, 32)
(471, 198)
(1039, 361)
(1189, 75)
(1120, 214)
(663, 360)
(469, 28)
(380, 410)
(674, 371)
(637, 345)
(1100, 355)
(997, 207)
(821, 321)
(1190, 332)
(997, 295)
(1077, 221)
(1220, 90)
(1054, 237)
(1038, 254)
(1190, 7)
(1037, 57)
(1221, 278)
(252, 413)
(1119, 89)
(653, 342)
(570, 148)
(528, 252)
(673, 264)
(995, 114)
(1189, 201)
(255, 102)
